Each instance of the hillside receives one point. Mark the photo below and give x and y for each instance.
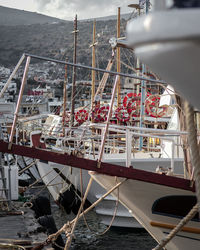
(55, 40)
(13, 17)
(112, 17)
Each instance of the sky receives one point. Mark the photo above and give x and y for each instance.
(66, 9)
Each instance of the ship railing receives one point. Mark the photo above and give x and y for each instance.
(131, 133)
(119, 140)
(118, 128)
(90, 144)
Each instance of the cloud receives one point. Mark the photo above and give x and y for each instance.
(42, 4)
(66, 9)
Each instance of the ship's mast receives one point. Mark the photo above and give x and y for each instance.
(64, 98)
(137, 63)
(93, 65)
(118, 61)
(74, 72)
(143, 93)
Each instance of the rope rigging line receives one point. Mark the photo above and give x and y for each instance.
(143, 75)
(194, 147)
(130, 66)
(46, 185)
(136, 71)
(67, 226)
(114, 214)
(71, 234)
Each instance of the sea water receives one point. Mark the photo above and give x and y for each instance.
(90, 238)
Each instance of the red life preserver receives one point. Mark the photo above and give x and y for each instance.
(81, 116)
(133, 106)
(102, 114)
(128, 98)
(132, 102)
(122, 114)
(152, 107)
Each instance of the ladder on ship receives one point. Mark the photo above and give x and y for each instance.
(103, 81)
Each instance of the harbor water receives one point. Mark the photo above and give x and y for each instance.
(89, 233)
(88, 237)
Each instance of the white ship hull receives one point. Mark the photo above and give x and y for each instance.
(140, 196)
(56, 184)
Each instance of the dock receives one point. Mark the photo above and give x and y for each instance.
(20, 228)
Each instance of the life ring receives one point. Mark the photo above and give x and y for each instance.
(133, 106)
(152, 107)
(122, 114)
(128, 98)
(132, 102)
(102, 114)
(81, 116)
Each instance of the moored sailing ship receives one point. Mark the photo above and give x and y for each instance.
(156, 212)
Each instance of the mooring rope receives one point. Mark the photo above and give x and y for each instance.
(68, 226)
(71, 234)
(113, 217)
(194, 149)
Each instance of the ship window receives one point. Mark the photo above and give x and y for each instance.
(175, 206)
